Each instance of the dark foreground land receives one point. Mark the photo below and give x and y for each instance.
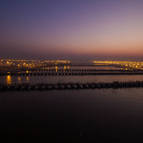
(107, 115)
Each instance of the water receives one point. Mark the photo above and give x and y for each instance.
(107, 115)
(66, 79)
(98, 115)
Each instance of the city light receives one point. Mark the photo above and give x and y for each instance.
(124, 65)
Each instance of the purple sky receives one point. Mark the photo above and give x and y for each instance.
(71, 28)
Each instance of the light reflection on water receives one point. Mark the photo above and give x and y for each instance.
(27, 78)
(15, 80)
(66, 79)
(8, 80)
(56, 68)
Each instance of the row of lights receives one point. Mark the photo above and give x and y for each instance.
(126, 64)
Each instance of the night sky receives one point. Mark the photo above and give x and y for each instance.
(71, 28)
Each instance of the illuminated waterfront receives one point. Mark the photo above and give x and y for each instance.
(64, 71)
(124, 65)
(29, 66)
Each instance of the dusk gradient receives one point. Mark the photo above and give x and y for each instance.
(71, 28)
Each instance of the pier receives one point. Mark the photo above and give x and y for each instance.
(70, 86)
(71, 72)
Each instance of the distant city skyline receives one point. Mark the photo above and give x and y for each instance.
(71, 29)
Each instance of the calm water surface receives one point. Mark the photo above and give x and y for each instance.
(113, 115)
(66, 79)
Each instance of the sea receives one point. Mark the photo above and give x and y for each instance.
(84, 115)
